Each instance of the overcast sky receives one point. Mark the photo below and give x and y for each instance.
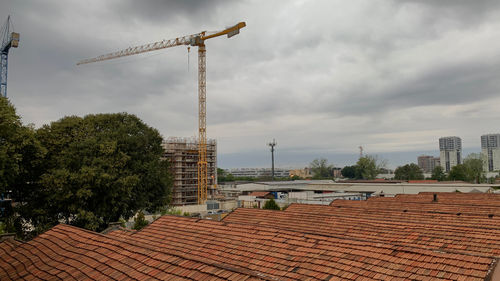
(320, 77)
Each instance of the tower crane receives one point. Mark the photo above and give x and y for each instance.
(9, 39)
(195, 40)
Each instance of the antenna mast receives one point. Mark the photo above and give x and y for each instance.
(272, 145)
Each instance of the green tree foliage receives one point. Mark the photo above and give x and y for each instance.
(458, 173)
(409, 172)
(19, 150)
(474, 168)
(221, 175)
(368, 167)
(438, 174)
(349, 172)
(20, 158)
(271, 205)
(97, 169)
(321, 169)
(140, 221)
(470, 171)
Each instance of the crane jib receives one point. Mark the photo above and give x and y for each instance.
(192, 40)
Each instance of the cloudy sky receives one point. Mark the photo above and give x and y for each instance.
(320, 77)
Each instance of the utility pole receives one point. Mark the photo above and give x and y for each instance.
(272, 145)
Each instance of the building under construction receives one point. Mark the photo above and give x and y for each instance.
(183, 156)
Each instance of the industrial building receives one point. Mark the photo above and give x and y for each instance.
(450, 152)
(183, 156)
(258, 172)
(490, 151)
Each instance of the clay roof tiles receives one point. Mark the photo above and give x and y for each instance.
(411, 239)
(70, 253)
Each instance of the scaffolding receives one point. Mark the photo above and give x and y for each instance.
(182, 153)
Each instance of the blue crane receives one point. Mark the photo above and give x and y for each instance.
(9, 39)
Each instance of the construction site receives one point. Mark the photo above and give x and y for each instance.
(182, 153)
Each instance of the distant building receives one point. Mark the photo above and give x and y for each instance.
(427, 163)
(302, 173)
(337, 172)
(258, 172)
(450, 152)
(490, 151)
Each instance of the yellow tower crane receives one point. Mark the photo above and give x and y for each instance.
(198, 40)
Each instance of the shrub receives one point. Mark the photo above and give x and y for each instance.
(140, 221)
(271, 205)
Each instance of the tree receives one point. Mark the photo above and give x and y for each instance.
(221, 175)
(271, 205)
(97, 169)
(18, 147)
(368, 167)
(438, 174)
(320, 169)
(409, 172)
(140, 221)
(20, 158)
(458, 173)
(349, 172)
(474, 168)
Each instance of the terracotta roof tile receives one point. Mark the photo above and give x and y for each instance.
(358, 241)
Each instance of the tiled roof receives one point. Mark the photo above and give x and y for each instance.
(464, 207)
(359, 240)
(67, 252)
(259, 193)
(452, 234)
(297, 255)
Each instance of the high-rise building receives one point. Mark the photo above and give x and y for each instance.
(450, 152)
(183, 156)
(490, 152)
(428, 163)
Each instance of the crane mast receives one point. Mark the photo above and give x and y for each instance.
(9, 40)
(198, 40)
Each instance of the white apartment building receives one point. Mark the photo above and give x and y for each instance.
(450, 152)
(490, 152)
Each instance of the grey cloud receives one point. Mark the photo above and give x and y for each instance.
(448, 85)
(463, 11)
(169, 11)
(293, 73)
